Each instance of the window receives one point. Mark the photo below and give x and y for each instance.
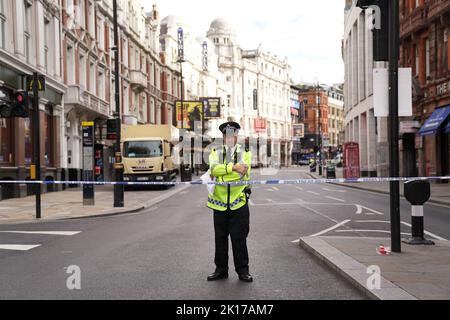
(2, 24)
(46, 43)
(82, 68)
(427, 58)
(101, 85)
(143, 149)
(70, 65)
(91, 21)
(48, 141)
(28, 141)
(27, 29)
(416, 55)
(92, 80)
(5, 141)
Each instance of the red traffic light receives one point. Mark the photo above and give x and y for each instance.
(20, 97)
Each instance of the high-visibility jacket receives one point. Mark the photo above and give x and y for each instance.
(228, 196)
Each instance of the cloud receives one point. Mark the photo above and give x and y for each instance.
(307, 32)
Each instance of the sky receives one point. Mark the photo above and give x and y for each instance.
(307, 32)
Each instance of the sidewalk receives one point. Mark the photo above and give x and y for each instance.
(440, 193)
(418, 273)
(69, 204)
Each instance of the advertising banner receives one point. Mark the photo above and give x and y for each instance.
(191, 112)
(212, 108)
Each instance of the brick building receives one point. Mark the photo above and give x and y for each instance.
(315, 102)
(425, 144)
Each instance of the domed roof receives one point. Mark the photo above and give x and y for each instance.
(173, 21)
(220, 24)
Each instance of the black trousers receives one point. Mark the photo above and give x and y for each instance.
(237, 225)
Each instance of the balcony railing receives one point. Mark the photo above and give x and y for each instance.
(418, 19)
(437, 8)
(79, 96)
(156, 92)
(138, 79)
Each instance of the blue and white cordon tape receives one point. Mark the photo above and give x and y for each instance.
(239, 183)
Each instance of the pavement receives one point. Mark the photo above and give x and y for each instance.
(440, 192)
(418, 273)
(69, 204)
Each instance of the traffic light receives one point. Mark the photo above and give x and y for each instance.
(17, 108)
(20, 109)
(381, 27)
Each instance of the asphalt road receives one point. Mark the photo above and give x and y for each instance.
(167, 251)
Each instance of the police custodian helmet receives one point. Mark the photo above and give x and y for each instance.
(230, 128)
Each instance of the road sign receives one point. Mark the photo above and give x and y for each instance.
(88, 162)
(212, 108)
(40, 83)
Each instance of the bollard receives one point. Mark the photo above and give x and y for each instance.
(417, 193)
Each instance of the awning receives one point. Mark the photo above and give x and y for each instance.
(433, 123)
(447, 130)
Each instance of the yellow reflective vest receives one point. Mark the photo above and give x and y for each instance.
(228, 196)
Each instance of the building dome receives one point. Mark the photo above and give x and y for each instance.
(220, 25)
(171, 22)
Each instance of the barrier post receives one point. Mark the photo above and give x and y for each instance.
(417, 193)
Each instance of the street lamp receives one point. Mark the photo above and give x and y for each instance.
(319, 127)
(118, 165)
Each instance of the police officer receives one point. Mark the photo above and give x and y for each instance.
(229, 202)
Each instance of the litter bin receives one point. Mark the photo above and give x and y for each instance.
(331, 171)
(313, 167)
(186, 173)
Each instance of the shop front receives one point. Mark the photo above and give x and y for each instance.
(436, 142)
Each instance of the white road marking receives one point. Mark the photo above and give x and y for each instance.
(270, 200)
(184, 192)
(296, 241)
(299, 188)
(378, 231)
(371, 221)
(275, 188)
(274, 204)
(331, 229)
(337, 199)
(270, 190)
(315, 193)
(52, 233)
(18, 247)
(427, 233)
(329, 190)
(359, 210)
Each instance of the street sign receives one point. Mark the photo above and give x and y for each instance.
(212, 108)
(299, 131)
(88, 163)
(40, 83)
(181, 44)
(381, 92)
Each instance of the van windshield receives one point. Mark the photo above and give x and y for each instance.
(143, 149)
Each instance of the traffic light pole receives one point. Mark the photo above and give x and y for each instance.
(37, 144)
(118, 166)
(394, 31)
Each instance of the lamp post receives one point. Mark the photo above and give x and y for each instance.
(319, 127)
(118, 165)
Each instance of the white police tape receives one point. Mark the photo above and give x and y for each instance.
(238, 183)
